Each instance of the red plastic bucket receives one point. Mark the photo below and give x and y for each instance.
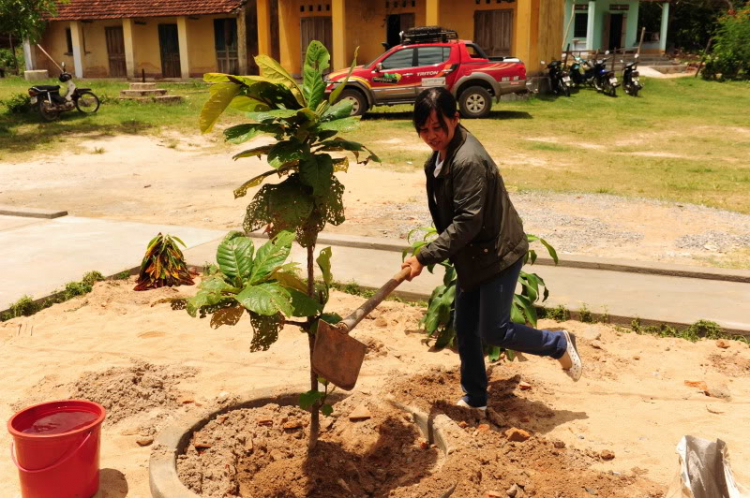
(56, 448)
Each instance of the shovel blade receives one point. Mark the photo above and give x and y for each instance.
(337, 357)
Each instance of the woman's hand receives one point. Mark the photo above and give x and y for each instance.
(414, 265)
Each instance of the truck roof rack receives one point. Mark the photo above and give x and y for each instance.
(428, 34)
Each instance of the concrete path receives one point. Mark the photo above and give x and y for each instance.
(623, 295)
(41, 255)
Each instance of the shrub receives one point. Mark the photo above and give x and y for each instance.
(18, 104)
(730, 59)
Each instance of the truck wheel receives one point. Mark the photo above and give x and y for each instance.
(359, 102)
(475, 102)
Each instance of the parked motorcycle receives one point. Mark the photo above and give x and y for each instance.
(559, 79)
(631, 82)
(51, 104)
(605, 80)
(581, 72)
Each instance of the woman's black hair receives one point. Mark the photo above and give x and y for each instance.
(436, 99)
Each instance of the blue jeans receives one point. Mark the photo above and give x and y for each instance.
(483, 316)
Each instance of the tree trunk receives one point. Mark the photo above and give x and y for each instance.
(315, 408)
(13, 53)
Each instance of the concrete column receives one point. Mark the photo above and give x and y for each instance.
(664, 26)
(76, 33)
(338, 14)
(264, 26)
(29, 54)
(591, 27)
(127, 35)
(289, 37)
(432, 14)
(242, 39)
(182, 38)
(523, 26)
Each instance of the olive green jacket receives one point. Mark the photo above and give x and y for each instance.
(480, 230)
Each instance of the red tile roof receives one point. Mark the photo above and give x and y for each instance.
(77, 10)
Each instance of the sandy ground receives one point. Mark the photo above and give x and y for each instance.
(189, 181)
(632, 399)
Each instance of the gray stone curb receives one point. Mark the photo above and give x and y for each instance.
(26, 212)
(620, 265)
(172, 441)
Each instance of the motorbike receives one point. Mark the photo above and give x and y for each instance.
(559, 79)
(631, 82)
(51, 104)
(581, 72)
(605, 80)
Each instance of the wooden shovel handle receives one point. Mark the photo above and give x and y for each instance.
(358, 315)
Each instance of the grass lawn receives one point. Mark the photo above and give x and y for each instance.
(683, 139)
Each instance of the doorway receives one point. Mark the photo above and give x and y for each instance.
(116, 51)
(397, 23)
(169, 47)
(225, 39)
(493, 31)
(316, 28)
(616, 31)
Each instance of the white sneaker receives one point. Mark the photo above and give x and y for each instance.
(462, 402)
(572, 357)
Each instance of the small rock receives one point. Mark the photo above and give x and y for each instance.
(596, 345)
(517, 435)
(512, 491)
(249, 446)
(381, 322)
(637, 357)
(607, 455)
(525, 386)
(559, 444)
(698, 384)
(462, 424)
(591, 491)
(145, 441)
(292, 425)
(721, 343)
(713, 410)
(719, 390)
(492, 494)
(265, 421)
(201, 445)
(185, 401)
(360, 413)
(483, 428)
(424, 445)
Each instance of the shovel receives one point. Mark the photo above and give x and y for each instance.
(338, 357)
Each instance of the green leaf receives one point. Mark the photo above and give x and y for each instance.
(527, 307)
(348, 145)
(324, 263)
(203, 298)
(270, 255)
(272, 115)
(289, 279)
(244, 103)
(550, 250)
(317, 173)
(266, 299)
(339, 110)
(257, 151)
(340, 88)
(304, 305)
(217, 284)
(326, 410)
(274, 95)
(494, 353)
(308, 399)
(285, 152)
(341, 164)
(221, 95)
(223, 78)
(273, 71)
(316, 61)
(341, 125)
(244, 132)
(235, 257)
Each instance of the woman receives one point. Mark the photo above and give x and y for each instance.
(482, 235)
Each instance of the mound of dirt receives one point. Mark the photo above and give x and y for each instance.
(127, 391)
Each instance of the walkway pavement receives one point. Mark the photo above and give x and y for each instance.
(41, 255)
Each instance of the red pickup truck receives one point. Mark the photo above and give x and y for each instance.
(429, 57)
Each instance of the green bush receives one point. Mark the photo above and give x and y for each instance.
(18, 104)
(730, 59)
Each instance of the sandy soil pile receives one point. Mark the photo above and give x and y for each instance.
(632, 401)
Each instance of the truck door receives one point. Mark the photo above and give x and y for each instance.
(434, 68)
(395, 80)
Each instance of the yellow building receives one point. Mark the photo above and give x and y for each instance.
(529, 29)
(128, 38)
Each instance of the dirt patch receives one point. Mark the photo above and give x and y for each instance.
(127, 391)
(732, 364)
(263, 451)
